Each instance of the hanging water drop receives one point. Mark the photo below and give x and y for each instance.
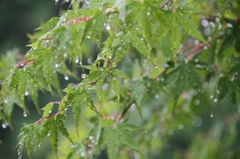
(211, 115)
(24, 114)
(156, 66)
(56, 65)
(196, 102)
(196, 121)
(66, 78)
(204, 23)
(156, 96)
(5, 101)
(65, 55)
(180, 126)
(108, 27)
(162, 79)
(4, 125)
(215, 100)
(196, 42)
(77, 60)
(171, 132)
(148, 13)
(83, 76)
(26, 93)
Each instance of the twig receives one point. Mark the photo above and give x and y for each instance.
(165, 4)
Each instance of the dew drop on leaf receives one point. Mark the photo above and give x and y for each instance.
(204, 23)
(77, 60)
(4, 125)
(170, 132)
(156, 66)
(5, 101)
(162, 79)
(180, 126)
(148, 13)
(24, 114)
(215, 100)
(26, 93)
(196, 102)
(66, 78)
(90, 137)
(196, 42)
(211, 115)
(156, 96)
(65, 55)
(196, 121)
(83, 76)
(56, 65)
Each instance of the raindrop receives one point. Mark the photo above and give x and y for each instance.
(207, 31)
(132, 108)
(180, 126)
(65, 55)
(212, 24)
(108, 27)
(196, 42)
(215, 100)
(204, 23)
(196, 121)
(56, 1)
(196, 60)
(211, 96)
(205, 47)
(88, 37)
(196, 102)
(48, 134)
(229, 25)
(49, 112)
(26, 93)
(77, 60)
(142, 39)
(217, 20)
(56, 65)
(105, 86)
(170, 132)
(4, 125)
(66, 78)
(90, 137)
(83, 75)
(156, 96)
(211, 115)
(39, 146)
(24, 114)
(156, 66)
(89, 61)
(162, 79)
(5, 101)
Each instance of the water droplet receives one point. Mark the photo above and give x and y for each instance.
(88, 37)
(83, 75)
(162, 79)
(26, 93)
(196, 42)
(196, 121)
(24, 114)
(196, 102)
(56, 1)
(39, 146)
(67, 1)
(148, 13)
(66, 78)
(5, 101)
(49, 112)
(211, 96)
(229, 25)
(4, 125)
(77, 60)
(195, 93)
(205, 47)
(207, 31)
(65, 55)
(90, 137)
(204, 23)
(215, 100)
(56, 65)
(170, 132)
(104, 86)
(108, 27)
(217, 19)
(48, 134)
(156, 96)
(142, 39)
(89, 61)
(196, 60)
(180, 126)
(211, 115)
(156, 66)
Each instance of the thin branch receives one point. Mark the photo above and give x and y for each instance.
(165, 4)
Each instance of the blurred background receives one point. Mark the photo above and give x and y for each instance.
(19, 18)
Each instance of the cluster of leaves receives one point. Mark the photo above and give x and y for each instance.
(143, 48)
